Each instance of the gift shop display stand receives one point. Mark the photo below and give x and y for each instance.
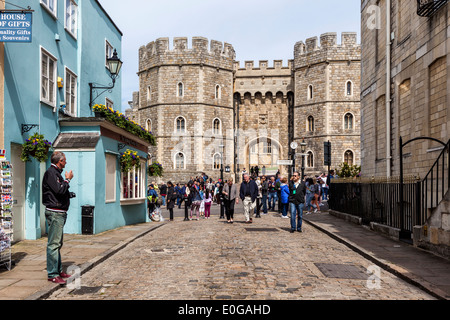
(6, 216)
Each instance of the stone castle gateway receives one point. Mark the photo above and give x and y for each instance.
(203, 107)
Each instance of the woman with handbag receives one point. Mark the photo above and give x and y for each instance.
(230, 195)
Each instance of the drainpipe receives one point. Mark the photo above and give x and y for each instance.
(388, 88)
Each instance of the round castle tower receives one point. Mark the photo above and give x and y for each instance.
(327, 99)
(186, 100)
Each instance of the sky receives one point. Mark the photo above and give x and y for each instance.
(257, 29)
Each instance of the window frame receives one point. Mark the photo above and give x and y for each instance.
(346, 123)
(182, 161)
(180, 89)
(108, 53)
(147, 127)
(310, 159)
(138, 185)
(51, 101)
(310, 93)
(217, 131)
(108, 181)
(176, 125)
(75, 11)
(217, 92)
(347, 94)
(310, 124)
(216, 164)
(67, 82)
(352, 156)
(109, 103)
(46, 5)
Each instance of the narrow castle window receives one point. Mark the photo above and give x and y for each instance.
(310, 92)
(216, 127)
(311, 123)
(349, 88)
(180, 91)
(348, 121)
(180, 125)
(218, 93)
(179, 161)
(310, 160)
(148, 125)
(348, 157)
(149, 93)
(216, 162)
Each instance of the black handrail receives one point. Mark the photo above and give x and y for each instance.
(434, 174)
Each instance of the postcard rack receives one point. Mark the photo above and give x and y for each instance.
(6, 216)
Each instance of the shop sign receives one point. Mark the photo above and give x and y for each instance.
(15, 26)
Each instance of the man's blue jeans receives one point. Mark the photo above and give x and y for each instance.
(264, 203)
(56, 222)
(296, 214)
(273, 197)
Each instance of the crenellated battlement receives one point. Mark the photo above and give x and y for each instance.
(328, 41)
(159, 51)
(263, 65)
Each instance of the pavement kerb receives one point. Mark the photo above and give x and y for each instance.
(386, 265)
(51, 288)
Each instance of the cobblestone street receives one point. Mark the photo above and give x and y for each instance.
(211, 259)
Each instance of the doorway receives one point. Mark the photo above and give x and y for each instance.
(18, 192)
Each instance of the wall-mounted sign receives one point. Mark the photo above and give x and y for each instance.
(15, 26)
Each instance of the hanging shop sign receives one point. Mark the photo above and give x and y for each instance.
(15, 26)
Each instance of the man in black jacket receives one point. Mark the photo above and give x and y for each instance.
(248, 193)
(297, 191)
(56, 199)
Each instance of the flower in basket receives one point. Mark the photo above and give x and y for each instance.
(35, 146)
(155, 169)
(129, 159)
(120, 120)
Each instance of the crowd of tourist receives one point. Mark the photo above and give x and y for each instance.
(259, 195)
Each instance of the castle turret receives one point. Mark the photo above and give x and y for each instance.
(186, 93)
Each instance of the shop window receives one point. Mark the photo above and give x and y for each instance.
(133, 183)
(110, 178)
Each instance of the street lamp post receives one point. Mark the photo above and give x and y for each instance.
(303, 150)
(114, 66)
(221, 182)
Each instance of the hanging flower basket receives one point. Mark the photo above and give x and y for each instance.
(35, 146)
(120, 120)
(155, 170)
(129, 159)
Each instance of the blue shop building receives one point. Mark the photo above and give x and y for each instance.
(50, 85)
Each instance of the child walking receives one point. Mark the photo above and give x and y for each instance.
(202, 203)
(208, 201)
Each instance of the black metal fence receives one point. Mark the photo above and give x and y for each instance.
(377, 200)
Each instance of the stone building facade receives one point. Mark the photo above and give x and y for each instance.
(202, 105)
(415, 101)
(405, 86)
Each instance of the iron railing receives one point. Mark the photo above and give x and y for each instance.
(434, 185)
(426, 8)
(376, 199)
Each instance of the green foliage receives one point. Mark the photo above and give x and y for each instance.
(120, 120)
(155, 170)
(129, 159)
(35, 146)
(345, 170)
